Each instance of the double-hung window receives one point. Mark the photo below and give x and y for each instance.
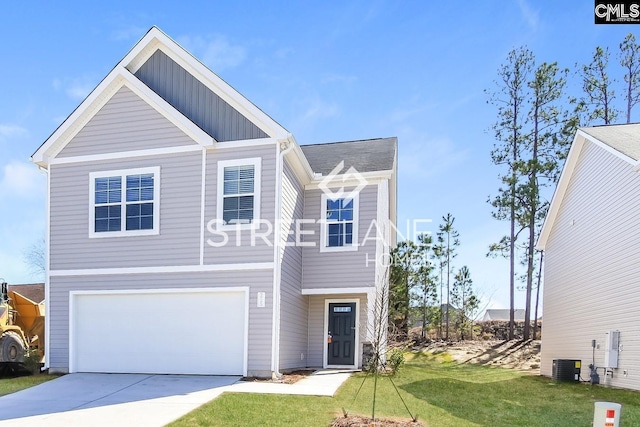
(124, 202)
(339, 228)
(239, 192)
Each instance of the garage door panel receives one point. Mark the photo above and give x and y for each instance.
(166, 332)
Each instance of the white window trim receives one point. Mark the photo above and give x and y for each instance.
(256, 162)
(123, 231)
(323, 226)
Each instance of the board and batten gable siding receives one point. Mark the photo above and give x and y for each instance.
(592, 273)
(125, 123)
(317, 338)
(244, 251)
(178, 242)
(293, 305)
(260, 318)
(345, 269)
(196, 101)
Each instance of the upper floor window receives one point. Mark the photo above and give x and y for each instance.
(239, 191)
(124, 202)
(339, 228)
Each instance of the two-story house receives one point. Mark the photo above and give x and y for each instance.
(188, 232)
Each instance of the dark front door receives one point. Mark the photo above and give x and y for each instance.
(342, 333)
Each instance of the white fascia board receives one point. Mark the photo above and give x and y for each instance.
(337, 291)
(163, 269)
(561, 189)
(299, 163)
(167, 110)
(579, 140)
(373, 177)
(116, 79)
(156, 39)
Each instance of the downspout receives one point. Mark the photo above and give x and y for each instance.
(284, 146)
(47, 300)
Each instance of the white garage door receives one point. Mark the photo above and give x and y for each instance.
(191, 331)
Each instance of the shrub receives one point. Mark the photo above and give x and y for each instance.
(395, 359)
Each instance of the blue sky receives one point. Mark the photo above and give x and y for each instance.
(326, 71)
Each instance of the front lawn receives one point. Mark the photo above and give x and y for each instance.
(441, 392)
(11, 385)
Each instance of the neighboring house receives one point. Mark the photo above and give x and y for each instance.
(33, 291)
(591, 239)
(503, 314)
(189, 233)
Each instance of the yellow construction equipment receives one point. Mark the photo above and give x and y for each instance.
(21, 330)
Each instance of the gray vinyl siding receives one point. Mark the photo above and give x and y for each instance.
(244, 252)
(293, 305)
(125, 123)
(193, 99)
(340, 269)
(180, 199)
(260, 319)
(317, 338)
(591, 269)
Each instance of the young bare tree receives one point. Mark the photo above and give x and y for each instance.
(35, 258)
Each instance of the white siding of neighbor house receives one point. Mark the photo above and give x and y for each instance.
(125, 123)
(180, 199)
(345, 269)
(317, 338)
(592, 273)
(244, 252)
(293, 305)
(259, 340)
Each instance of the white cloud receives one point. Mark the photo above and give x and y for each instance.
(128, 33)
(530, 16)
(75, 88)
(21, 180)
(215, 51)
(11, 131)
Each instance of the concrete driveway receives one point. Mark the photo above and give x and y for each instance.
(110, 399)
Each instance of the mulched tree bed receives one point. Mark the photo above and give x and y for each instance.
(360, 421)
(289, 378)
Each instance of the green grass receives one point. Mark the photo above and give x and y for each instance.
(11, 385)
(441, 392)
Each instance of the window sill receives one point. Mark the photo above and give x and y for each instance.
(350, 248)
(136, 233)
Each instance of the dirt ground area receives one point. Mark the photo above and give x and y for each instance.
(358, 421)
(523, 356)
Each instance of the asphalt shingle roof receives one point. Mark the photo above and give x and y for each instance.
(622, 138)
(365, 156)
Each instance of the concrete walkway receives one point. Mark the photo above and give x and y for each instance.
(320, 383)
(97, 400)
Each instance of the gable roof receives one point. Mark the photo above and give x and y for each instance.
(33, 291)
(124, 73)
(368, 155)
(623, 141)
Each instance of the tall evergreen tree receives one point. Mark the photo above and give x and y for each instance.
(630, 61)
(546, 146)
(450, 238)
(464, 298)
(401, 280)
(510, 97)
(598, 88)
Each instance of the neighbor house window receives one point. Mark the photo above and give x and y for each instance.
(339, 224)
(124, 202)
(239, 192)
